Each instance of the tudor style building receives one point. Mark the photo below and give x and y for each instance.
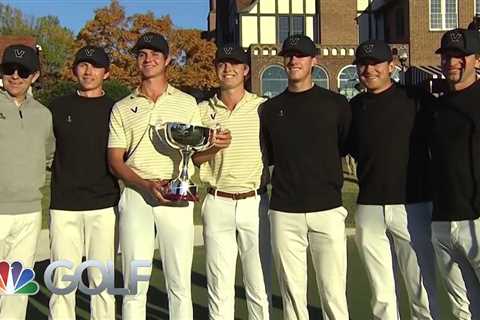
(415, 27)
(262, 25)
(412, 28)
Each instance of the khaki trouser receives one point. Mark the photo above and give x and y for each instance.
(138, 219)
(404, 229)
(18, 242)
(324, 233)
(233, 227)
(457, 245)
(74, 234)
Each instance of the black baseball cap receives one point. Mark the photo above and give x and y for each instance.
(231, 52)
(373, 50)
(152, 40)
(465, 42)
(22, 55)
(298, 44)
(94, 55)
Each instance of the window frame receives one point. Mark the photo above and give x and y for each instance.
(443, 15)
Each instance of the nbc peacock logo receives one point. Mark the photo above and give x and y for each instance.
(15, 280)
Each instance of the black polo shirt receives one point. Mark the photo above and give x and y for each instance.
(455, 148)
(303, 133)
(389, 140)
(80, 176)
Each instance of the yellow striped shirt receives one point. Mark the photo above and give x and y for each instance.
(132, 124)
(237, 168)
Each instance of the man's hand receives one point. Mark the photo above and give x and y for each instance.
(221, 138)
(157, 188)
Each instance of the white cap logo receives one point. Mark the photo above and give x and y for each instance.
(147, 38)
(19, 53)
(293, 41)
(228, 50)
(456, 36)
(89, 52)
(368, 48)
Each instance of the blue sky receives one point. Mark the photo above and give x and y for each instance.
(74, 13)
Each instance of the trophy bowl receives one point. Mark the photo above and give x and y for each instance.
(186, 138)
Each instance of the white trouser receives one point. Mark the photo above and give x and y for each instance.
(457, 245)
(73, 234)
(18, 242)
(406, 230)
(138, 218)
(232, 227)
(324, 233)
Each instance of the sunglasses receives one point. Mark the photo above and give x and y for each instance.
(10, 69)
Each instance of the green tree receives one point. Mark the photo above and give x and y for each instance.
(14, 22)
(57, 44)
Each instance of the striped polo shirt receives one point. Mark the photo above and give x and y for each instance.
(132, 124)
(237, 168)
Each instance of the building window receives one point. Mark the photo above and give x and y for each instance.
(316, 29)
(348, 81)
(283, 28)
(443, 14)
(274, 81)
(290, 25)
(400, 21)
(298, 25)
(320, 77)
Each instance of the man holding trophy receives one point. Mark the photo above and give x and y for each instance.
(145, 163)
(304, 128)
(235, 209)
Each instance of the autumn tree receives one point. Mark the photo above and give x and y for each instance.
(110, 28)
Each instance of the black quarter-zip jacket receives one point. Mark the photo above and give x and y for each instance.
(389, 140)
(80, 176)
(303, 134)
(455, 147)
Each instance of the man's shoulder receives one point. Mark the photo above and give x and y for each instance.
(181, 95)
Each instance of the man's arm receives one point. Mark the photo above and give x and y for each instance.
(220, 140)
(118, 168)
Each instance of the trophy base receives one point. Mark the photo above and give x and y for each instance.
(181, 191)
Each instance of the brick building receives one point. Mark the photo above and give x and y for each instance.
(262, 25)
(413, 28)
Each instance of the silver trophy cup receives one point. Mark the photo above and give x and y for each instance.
(186, 138)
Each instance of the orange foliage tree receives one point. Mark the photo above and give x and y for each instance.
(192, 64)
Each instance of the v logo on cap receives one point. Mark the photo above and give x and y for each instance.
(368, 48)
(147, 38)
(19, 53)
(456, 36)
(89, 52)
(293, 41)
(228, 50)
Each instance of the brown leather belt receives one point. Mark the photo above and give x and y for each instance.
(237, 196)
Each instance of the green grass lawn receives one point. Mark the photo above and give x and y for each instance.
(358, 291)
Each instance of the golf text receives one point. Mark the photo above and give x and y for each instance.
(74, 281)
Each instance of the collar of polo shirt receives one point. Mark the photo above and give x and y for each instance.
(246, 97)
(138, 93)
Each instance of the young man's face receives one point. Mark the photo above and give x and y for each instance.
(458, 68)
(231, 74)
(17, 79)
(90, 77)
(298, 66)
(151, 64)
(375, 76)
